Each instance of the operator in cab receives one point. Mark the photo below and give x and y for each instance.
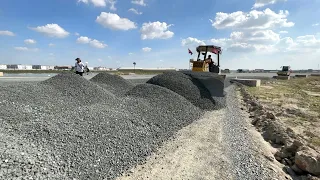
(210, 62)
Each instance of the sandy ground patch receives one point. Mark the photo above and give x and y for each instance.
(196, 153)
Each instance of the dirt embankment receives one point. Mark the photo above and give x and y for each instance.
(287, 114)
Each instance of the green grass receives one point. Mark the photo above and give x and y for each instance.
(293, 88)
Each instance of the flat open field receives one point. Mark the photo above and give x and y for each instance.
(296, 103)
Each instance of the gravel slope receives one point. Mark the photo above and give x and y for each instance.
(240, 147)
(56, 130)
(190, 88)
(88, 131)
(113, 83)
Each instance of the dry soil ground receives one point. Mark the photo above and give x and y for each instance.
(296, 102)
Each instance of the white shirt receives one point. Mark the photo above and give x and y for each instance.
(79, 67)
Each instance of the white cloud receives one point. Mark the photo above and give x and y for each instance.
(255, 37)
(114, 22)
(6, 33)
(26, 49)
(130, 54)
(76, 34)
(101, 3)
(112, 4)
(146, 49)
(241, 47)
(134, 11)
(192, 41)
(248, 41)
(155, 30)
(261, 3)
(52, 30)
(51, 54)
(93, 42)
(97, 44)
(21, 48)
(283, 32)
(30, 41)
(308, 41)
(100, 60)
(139, 2)
(51, 44)
(316, 24)
(83, 40)
(253, 20)
(302, 44)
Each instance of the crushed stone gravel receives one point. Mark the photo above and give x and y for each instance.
(240, 147)
(70, 128)
(186, 86)
(113, 83)
(81, 130)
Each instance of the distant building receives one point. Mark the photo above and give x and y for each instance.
(100, 68)
(243, 70)
(128, 68)
(36, 66)
(44, 67)
(63, 67)
(12, 66)
(2, 66)
(147, 69)
(225, 71)
(24, 67)
(259, 70)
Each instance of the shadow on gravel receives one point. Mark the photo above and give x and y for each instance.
(214, 84)
(186, 86)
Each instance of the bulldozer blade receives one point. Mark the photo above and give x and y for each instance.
(212, 81)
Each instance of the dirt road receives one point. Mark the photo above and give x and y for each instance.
(210, 149)
(196, 153)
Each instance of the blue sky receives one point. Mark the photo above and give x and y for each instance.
(157, 33)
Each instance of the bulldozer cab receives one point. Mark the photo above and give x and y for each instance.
(285, 68)
(211, 79)
(285, 71)
(200, 65)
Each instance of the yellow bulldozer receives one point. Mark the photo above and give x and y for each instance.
(202, 65)
(208, 74)
(285, 71)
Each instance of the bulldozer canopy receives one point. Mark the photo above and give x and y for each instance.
(210, 48)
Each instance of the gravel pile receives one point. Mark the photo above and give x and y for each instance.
(79, 89)
(113, 83)
(176, 110)
(186, 86)
(68, 127)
